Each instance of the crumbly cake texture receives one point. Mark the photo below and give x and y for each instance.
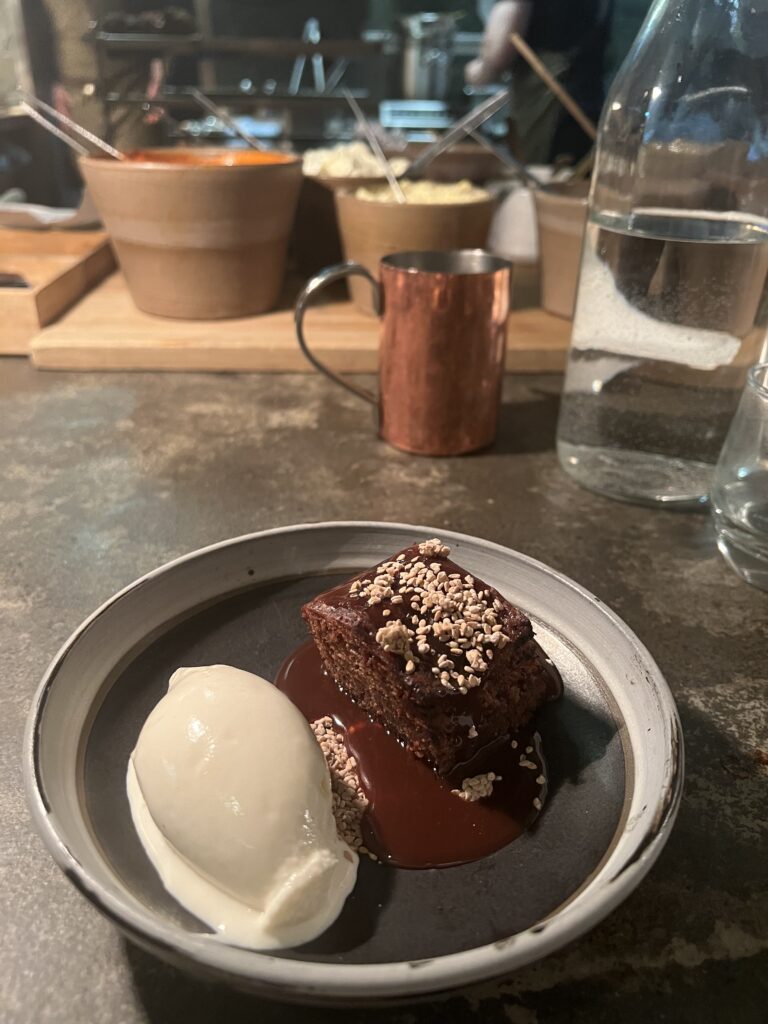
(439, 658)
(348, 799)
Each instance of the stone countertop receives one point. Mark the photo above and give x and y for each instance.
(105, 476)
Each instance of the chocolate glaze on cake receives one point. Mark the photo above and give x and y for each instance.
(440, 659)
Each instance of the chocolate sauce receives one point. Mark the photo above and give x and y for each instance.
(414, 820)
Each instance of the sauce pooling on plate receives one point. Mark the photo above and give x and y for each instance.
(414, 820)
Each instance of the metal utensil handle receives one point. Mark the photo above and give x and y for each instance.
(223, 115)
(373, 142)
(465, 124)
(45, 108)
(326, 277)
(507, 159)
(56, 132)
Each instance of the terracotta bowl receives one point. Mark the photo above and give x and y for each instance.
(200, 234)
(370, 230)
(561, 217)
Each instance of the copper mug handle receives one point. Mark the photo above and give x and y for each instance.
(321, 280)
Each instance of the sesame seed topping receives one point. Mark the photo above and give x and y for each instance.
(475, 660)
(434, 547)
(477, 787)
(395, 637)
(349, 802)
(451, 621)
(537, 803)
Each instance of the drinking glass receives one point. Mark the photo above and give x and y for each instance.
(739, 498)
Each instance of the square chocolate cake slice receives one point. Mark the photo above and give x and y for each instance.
(445, 663)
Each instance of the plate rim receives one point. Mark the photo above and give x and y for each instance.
(316, 981)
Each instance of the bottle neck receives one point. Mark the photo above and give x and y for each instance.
(685, 125)
(743, 22)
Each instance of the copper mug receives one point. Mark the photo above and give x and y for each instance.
(441, 352)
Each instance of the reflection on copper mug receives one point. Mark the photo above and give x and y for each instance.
(441, 353)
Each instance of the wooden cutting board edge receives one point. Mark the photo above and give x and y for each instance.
(24, 311)
(104, 331)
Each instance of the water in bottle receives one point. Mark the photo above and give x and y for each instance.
(672, 303)
(671, 311)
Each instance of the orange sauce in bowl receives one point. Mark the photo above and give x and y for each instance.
(189, 157)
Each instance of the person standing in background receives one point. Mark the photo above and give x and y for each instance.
(69, 69)
(581, 42)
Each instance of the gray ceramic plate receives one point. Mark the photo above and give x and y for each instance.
(613, 745)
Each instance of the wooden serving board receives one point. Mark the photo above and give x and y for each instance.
(60, 266)
(105, 331)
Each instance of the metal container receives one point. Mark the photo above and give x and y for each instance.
(441, 357)
(427, 48)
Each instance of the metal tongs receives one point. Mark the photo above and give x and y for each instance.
(213, 108)
(45, 115)
(367, 128)
(464, 126)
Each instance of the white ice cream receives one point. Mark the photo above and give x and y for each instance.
(231, 797)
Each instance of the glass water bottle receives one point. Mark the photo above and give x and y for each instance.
(672, 304)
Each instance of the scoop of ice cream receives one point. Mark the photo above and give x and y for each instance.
(231, 797)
